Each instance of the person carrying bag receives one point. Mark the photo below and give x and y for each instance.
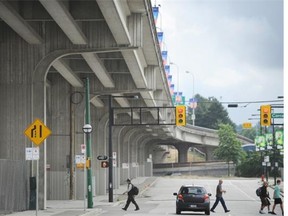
(131, 191)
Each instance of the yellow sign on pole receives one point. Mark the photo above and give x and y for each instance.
(37, 132)
(247, 125)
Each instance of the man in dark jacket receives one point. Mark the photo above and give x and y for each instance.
(264, 196)
(130, 197)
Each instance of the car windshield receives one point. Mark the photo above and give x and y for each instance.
(193, 190)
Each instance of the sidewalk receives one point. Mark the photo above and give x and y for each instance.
(76, 207)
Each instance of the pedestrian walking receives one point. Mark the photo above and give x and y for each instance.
(131, 196)
(219, 197)
(277, 197)
(264, 196)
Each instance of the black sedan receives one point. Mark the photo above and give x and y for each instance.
(192, 198)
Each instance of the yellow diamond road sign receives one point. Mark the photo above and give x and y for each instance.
(37, 132)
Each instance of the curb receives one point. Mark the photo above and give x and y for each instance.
(93, 212)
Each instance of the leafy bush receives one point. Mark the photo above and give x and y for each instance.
(251, 166)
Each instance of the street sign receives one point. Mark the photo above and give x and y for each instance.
(193, 103)
(80, 161)
(32, 153)
(125, 165)
(37, 132)
(114, 163)
(277, 115)
(179, 100)
(102, 157)
(83, 148)
(247, 125)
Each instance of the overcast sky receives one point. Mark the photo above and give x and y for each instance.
(234, 48)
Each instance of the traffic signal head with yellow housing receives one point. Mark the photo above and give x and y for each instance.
(265, 115)
(180, 115)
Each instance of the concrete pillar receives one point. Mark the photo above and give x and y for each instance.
(100, 147)
(149, 168)
(182, 152)
(209, 153)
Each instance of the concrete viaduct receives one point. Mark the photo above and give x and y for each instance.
(47, 50)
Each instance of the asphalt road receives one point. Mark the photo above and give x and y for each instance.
(158, 200)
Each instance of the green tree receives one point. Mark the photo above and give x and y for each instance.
(251, 166)
(229, 148)
(210, 113)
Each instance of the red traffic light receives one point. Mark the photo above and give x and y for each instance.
(266, 110)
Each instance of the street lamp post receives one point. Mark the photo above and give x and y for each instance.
(193, 108)
(172, 63)
(87, 129)
(110, 152)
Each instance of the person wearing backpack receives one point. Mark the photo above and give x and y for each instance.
(264, 196)
(131, 196)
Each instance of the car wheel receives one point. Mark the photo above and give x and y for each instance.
(178, 211)
(207, 212)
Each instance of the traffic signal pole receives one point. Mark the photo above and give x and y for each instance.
(180, 120)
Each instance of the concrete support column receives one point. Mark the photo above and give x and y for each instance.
(209, 153)
(182, 152)
(126, 151)
(147, 166)
(101, 148)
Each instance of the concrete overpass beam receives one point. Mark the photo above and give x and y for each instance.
(115, 14)
(135, 26)
(150, 75)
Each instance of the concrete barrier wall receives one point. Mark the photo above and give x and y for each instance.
(13, 186)
(216, 169)
(58, 185)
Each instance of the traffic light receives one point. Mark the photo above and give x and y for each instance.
(265, 115)
(104, 164)
(180, 115)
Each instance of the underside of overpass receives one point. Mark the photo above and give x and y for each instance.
(48, 49)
